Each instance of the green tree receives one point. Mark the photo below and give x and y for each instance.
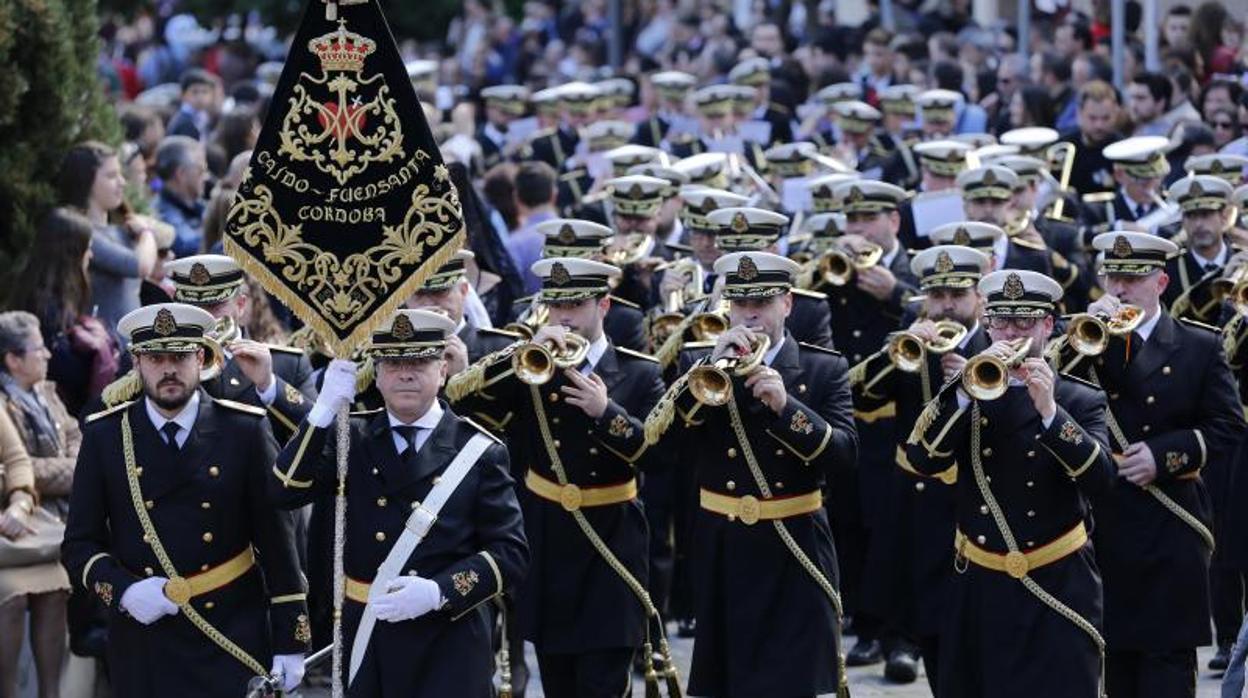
(50, 99)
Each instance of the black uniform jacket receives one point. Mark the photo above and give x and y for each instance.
(207, 506)
(474, 550)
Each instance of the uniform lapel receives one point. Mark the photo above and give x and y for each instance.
(399, 474)
(1156, 350)
(608, 368)
(786, 361)
(163, 473)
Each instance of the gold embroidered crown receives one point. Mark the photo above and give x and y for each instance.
(342, 50)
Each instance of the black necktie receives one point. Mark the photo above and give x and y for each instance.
(408, 433)
(170, 430)
(1211, 267)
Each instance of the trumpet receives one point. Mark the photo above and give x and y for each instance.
(535, 364)
(836, 267)
(667, 322)
(530, 320)
(222, 333)
(908, 351)
(986, 377)
(631, 249)
(1232, 286)
(1089, 334)
(711, 384)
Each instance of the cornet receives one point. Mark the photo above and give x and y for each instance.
(986, 377)
(1089, 334)
(1233, 287)
(631, 249)
(836, 267)
(711, 384)
(908, 351)
(663, 324)
(1066, 153)
(535, 364)
(530, 320)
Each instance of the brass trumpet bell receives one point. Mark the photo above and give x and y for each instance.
(530, 320)
(706, 327)
(986, 377)
(1089, 334)
(908, 352)
(836, 267)
(535, 364)
(711, 384)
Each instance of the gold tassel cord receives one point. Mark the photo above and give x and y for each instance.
(664, 412)
(125, 388)
(924, 421)
(365, 376)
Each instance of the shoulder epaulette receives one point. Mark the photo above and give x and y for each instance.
(500, 332)
(624, 302)
(809, 294)
(816, 347)
(285, 349)
(1098, 197)
(636, 354)
(1084, 381)
(482, 429)
(1200, 325)
(365, 413)
(105, 412)
(240, 407)
(1027, 243)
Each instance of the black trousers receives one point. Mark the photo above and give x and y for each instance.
(1169, 674)
(601, 674)
(929, 648)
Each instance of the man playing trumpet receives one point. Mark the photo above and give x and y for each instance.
(1173, 411)
(572, 416)
(908, 572)
(1028, 446)
(763, 421)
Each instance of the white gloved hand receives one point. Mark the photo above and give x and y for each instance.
(337, 389)
(146, 602)
(288, 670)
(408, 598)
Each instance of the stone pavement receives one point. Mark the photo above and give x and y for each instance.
(865, 681)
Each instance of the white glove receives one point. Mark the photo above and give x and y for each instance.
(146, 602)
(288, 670)
(338, 389)
(408, 598)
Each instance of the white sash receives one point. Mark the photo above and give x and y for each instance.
(414, 531)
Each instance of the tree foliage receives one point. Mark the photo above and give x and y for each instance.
(50, 99)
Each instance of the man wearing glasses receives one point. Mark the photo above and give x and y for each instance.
(1024, 462)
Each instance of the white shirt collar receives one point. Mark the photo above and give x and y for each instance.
(1219, 260)
(1001, 249)
(463, 322)
(1146, 328)
(491, 131)
(425, 424)
(1132, 203)
(969, 333)
(673, 238)
(184, 419)
(597, 348)
(887, 260)
(428, 420)
(773, 352)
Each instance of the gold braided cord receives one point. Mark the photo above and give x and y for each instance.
(738, 428)
(1115, 430)
(166, 564)
(664, 412)
(600, 546)
(998, 517)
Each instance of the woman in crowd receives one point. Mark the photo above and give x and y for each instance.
(38, 448)
(1031, 105)
(123, 250)
(55, 288)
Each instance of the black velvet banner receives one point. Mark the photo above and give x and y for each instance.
(346, 207)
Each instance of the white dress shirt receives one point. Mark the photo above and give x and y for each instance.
(184, 419)
(424, 427)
